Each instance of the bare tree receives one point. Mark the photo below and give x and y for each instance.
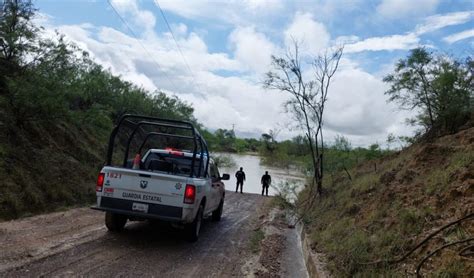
(308, 98)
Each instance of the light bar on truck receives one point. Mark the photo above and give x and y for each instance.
(173, 151)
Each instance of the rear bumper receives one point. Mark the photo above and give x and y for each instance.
(155, 211)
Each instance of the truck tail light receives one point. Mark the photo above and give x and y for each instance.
(100, 182)
(189, 194)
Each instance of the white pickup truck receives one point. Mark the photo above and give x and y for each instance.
(167, 184)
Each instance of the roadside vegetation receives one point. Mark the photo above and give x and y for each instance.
(57, 107)
(382, 212)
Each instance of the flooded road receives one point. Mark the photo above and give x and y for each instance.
(75, 243)
(254, 171)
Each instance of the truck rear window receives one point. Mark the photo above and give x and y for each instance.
(172, 164)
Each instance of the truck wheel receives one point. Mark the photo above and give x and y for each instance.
(192, 229)
(217, 214)
(114, 222)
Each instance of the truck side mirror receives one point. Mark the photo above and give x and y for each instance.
(225, 177)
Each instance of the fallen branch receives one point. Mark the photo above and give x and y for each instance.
(467, 251)
(395, 261)
(418, 268)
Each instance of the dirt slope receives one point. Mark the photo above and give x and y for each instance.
(44, 170)
(394, 203)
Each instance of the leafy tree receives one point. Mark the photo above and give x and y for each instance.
(391, 139)
(16, 30)
(440, 87)
(44, 80)
(226, 139)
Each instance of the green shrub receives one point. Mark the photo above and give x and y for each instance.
(412, 220)
(255, 239)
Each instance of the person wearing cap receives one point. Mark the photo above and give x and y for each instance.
(266, 181)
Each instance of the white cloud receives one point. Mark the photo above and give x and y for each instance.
(179, 29)
(328, 9)
(234, 12)
(251, 48)
(130, 10)
(356, 105)
(440, 21)
(342, 40)
(397, 9)
(312, 35)
(234, 100)
(459, 36)
(393, 42)
(411, 39)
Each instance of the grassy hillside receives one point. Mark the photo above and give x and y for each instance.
(57, 107)
(46, 169)
(392, 204)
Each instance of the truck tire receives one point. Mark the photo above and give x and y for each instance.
(192, 229)
(217, 214)
(114, 222)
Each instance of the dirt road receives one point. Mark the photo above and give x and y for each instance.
(76, 243)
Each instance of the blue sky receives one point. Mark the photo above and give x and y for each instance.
(227, 45)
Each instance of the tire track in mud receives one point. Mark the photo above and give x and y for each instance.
(141, 249)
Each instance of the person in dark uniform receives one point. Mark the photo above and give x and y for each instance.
(240, 176)
(266, 181)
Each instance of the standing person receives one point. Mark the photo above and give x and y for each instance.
(240, 176)
(266, 181)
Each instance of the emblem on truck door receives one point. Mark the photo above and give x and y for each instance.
(143, 184)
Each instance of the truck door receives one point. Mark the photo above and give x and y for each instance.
(216, 186)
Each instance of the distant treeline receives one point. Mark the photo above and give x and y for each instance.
(339, 154)
(224, 140)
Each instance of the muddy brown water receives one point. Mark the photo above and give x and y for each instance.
(254, 170)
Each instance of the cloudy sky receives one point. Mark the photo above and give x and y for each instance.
(218, 51)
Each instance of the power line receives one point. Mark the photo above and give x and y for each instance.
(144, 48)
(177, 45)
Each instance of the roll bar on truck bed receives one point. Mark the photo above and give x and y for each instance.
(137, 122)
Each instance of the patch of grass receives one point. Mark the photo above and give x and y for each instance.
(455, 233)
(379, 272)
(345, 245)
(440, 178)
(389, 243)
(11, 206)
(451, 267)
(255, 239)
(366, 183)
(411, 220)
(279, 202)
(40, 179)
